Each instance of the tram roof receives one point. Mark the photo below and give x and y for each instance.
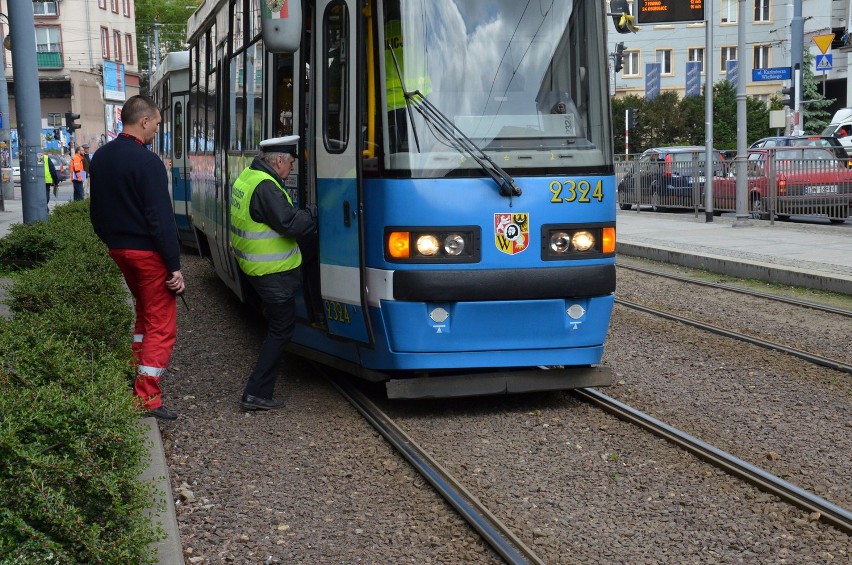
(174, 61)
(206, 10)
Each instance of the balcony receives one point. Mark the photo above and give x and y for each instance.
(49, 59)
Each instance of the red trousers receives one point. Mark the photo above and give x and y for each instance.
(155, 329)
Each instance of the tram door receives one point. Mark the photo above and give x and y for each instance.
(181, 196)
(336, 149)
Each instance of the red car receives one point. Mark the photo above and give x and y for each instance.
(807, 180)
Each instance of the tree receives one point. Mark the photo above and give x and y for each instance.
(171, 17)
(814, 114)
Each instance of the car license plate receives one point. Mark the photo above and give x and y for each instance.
(822, 189)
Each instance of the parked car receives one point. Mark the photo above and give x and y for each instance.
(16, 171)
(826, 141)
(63, 170)
(668, 177)
(808, 180)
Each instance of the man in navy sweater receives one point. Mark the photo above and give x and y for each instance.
(132, 214)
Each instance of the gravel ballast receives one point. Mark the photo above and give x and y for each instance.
(313, 483)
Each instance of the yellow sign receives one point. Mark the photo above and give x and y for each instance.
(824, 41)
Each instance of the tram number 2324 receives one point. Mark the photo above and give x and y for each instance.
(576, 191)
(337, 312)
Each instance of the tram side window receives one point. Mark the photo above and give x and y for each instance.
(254, 95)
(237, 101)
(336, 78)
(177, 130)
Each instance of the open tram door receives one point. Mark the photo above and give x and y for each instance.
(336, 146)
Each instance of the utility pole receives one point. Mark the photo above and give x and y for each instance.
(797, 33)
(28, 110)
(708, 110)
(742, 124)
(6, 186)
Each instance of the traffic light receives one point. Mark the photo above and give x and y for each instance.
(790, 93)
(621, 18)
(633, 117)
(619, 57)
(69, 122)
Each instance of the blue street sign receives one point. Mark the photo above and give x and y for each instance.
(775, 73)
(823, 62)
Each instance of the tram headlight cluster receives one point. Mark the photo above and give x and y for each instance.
(577, 242)
(432, 245)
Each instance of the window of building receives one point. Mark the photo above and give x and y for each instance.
(664, 58)
(104, 43)
(761, 56)
(116, 44)
(47, 39)
(728, 54)
(126, 8)
(728, 11)
(761, 10)
(113, 4)
(631, 63)
(45, 9)
(128, 47)
(696, 54)
(102, 4)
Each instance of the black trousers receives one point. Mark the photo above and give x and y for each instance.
(277, 291)
(79, 191)
(281, 317)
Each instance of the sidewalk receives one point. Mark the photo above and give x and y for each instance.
(14, 209)
(812, 255)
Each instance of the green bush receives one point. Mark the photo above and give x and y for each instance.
(70, 445)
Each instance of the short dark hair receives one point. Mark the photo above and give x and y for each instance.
(136, 108)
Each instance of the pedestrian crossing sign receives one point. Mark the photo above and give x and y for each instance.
(823, 62)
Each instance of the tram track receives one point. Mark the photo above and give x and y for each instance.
(812, 358)
(821, 508)
(738, 289)
(499, 536)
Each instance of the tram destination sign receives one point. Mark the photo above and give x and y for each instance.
(669, 11)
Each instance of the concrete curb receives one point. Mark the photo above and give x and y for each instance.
(169, 550)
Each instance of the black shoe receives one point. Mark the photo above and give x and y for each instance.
(250, 402)
(162, 413)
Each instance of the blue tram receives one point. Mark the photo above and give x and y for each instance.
(460, 155)
(170, 89)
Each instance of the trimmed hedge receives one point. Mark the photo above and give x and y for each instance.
(71, 449)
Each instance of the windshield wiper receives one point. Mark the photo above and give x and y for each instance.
(440, 124)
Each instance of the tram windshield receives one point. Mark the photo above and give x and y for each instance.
(525, 81)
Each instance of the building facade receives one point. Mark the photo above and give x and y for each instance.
(680, 49)
(87, 64)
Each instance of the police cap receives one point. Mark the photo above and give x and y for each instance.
(287, 144)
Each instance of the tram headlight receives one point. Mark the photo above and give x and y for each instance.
(454, 244)
(432, 245)
(583, 240)
(561, 242)
(427, 245)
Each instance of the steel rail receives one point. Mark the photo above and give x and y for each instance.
(815, 359)
(733, 288)
(767, 482)
(492, 530)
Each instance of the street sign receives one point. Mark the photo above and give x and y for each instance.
(652, 80)
(823, 41)
(774, 73)
(823, 62)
